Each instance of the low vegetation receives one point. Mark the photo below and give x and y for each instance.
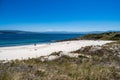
(102, 36)
(103, 65)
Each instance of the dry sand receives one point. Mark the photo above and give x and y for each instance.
(32, 51)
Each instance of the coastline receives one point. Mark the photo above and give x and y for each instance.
(9, 40)
(33, 51)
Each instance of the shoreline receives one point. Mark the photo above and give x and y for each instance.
(27, 44)
(33, 51)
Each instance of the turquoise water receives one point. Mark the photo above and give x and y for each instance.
(25, 39)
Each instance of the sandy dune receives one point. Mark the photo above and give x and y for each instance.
(30, 51)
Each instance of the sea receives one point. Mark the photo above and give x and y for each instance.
(7, 40)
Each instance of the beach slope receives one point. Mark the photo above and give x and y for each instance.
(33, 51)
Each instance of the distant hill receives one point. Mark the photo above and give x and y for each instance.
(28, 32)
(102, 36)
(47, 32)
(99, 35)
(13, 32)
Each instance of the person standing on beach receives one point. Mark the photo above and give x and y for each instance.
(34, 44)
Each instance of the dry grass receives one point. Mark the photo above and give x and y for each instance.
(103, 65)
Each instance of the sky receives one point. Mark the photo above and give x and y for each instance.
(60, 15)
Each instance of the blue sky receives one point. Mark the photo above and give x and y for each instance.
(60, 15)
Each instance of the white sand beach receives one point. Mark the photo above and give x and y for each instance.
(32, 51)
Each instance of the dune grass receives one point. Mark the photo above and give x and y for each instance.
(64, 68)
